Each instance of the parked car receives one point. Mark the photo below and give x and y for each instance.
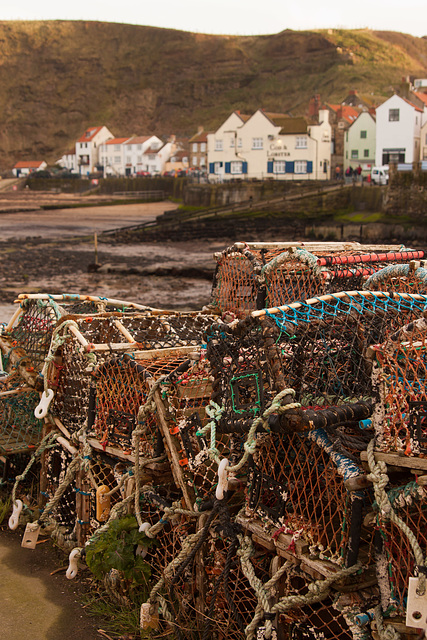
(380, 175)
(144, 174)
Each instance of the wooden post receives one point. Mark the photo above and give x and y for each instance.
(95, 239)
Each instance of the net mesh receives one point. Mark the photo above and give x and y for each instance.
(248, 278)
(317, 348)
(399, 374)
(20, 430)
(409, 501)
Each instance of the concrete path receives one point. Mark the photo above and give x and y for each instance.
(35, 605)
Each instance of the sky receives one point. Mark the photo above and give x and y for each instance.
(233, 17)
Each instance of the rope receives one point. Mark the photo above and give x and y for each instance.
(148, 407)
(249, 445)
(385, 633)
(378, 476)
(57, 340)
(46, 443)
(317, 590)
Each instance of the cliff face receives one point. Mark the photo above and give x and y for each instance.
(58, 77)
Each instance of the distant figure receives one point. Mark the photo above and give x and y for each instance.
(359, 173)
(338, 172)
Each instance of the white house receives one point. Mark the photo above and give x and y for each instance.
(135, 152)
(87, 149)
(360, 143)
(68, 161)
(398, 130)
(268, 145)
(25, 167)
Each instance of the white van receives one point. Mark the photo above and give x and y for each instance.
(379, 175)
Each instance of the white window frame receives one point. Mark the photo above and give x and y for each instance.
(219, 146)
(217, 168)
(236, 167)
(355, 154)
(194, 147)
(300, 166)
(279, 166)
(257, 143)
(394, 113)
(203, 147)
(301, 142)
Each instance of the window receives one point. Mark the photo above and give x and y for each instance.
(117, 159)
(139, 147)
(116, 147)
(354, 154)
(279, 166)
(366, 153)
(203, 147)
(139, 159)
(194, 161)
(194, 147)
(301, 142)
(257, 143)
(128, 159)
(203, 162)
(235, 167)
(300, 166)
(218, 166)
(218, 145)
(393, 115)
(239, 143)
(363, 134)
(232, 142)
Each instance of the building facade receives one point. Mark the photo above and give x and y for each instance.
(398, 131)
(87, 149)
(360, 143)
(270, 146)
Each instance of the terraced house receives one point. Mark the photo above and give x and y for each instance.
(270, 145)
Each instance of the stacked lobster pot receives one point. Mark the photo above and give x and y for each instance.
(251, 276)
(24, 345)
(273, 458)
(302, 374)
(397, 460)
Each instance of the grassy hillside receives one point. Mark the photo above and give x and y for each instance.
(58, 77)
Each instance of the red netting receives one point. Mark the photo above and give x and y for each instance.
(249, 277)
(399, 375)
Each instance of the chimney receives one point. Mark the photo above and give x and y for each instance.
(313, 105)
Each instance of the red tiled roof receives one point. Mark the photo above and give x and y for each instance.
(117, 141)
(28, 164)
(421, 96)
(412, 104)
(348, 113)
(89, 134)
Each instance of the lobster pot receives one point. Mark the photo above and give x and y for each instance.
(185, 398)
(32, 329)
(166, 329)
(340, 616)
(20, 430)
(181, 582)
(253, 276)
(395, 555)
(402, 278)
(297, 485)
(104, 475)
(400, 374)
(56, 462)
(230, 599)
(70, 373)
(122, 386)
(320, 347)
